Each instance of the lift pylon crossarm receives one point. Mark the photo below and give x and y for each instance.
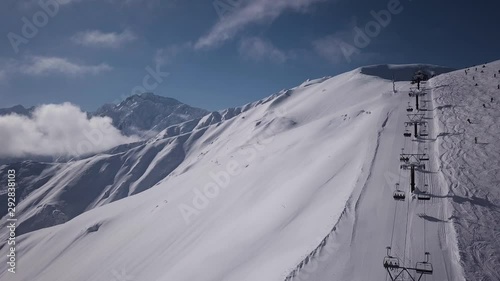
(417, 93)
(414, 166)
(411, 123)
(413, 158)
(395, 269)
(416, 117)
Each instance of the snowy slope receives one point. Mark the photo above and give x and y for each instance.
(372, 220)
(298, 186)
(472, 171)
(53, 193)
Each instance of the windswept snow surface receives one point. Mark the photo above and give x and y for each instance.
(472, 171)
(297, 186)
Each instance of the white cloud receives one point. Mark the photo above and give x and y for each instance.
(247, 13)
(330, 48)
(57, 130)
(339, 48)
(43, 66)
(38, 66)
(96, 38)
(167, 55)
(259, 49)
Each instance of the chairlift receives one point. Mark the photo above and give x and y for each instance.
(424, 157)
(424, 133)
(424, 267)
(424, 196)
(399, 195)
(409, 108)
(404, 158)
(390, 262)
(407, 133)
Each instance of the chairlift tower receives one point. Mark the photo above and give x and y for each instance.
(415, 121)
(412, 162)
(395, 269)
(417, 94)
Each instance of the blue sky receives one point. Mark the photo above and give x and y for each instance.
(91, 52)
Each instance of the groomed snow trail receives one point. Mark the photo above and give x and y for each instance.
(355, 248)
(472, 171)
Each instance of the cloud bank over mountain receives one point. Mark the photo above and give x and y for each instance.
(58, 130)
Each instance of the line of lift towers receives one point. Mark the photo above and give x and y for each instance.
(418, 127)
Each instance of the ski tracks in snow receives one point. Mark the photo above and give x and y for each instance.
(472, 170)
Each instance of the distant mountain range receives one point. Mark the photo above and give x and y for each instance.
(144, 114)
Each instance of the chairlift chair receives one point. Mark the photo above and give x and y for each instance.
(424, 196)
(424, 133)
(407, 133)
(424, 267)
(424, 157)
(399, 195)
(390, 262)
(409, 108)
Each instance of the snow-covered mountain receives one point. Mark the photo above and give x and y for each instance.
(148, 113)
(297, 186)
